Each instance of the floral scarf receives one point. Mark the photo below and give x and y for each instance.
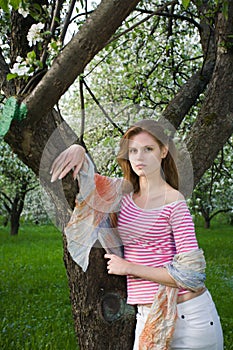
(89, 224)
(188, 270)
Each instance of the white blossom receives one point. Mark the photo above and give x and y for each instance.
(19, 59)
(20, 69)
(34, 34)
(22, 11)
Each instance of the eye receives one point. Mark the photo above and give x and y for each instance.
(148, 149)
(132, 150)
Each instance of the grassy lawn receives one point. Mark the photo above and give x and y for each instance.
(217, 243)
(34, 296)
(35, 305)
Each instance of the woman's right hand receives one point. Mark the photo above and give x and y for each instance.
(70, 159)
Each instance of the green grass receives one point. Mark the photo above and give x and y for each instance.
(35, 306)
(34, 295)
(217, 243)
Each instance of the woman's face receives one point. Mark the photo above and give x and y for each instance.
(145, 155)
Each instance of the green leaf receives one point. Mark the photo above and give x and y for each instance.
(36, 11)
(11, 76)
(185, 3)
(4, 4)
(31, 55)
(225, 9)
(15, 4)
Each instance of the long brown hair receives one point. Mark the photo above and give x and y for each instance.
(168, 166)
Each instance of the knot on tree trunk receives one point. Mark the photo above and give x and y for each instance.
(113, 307)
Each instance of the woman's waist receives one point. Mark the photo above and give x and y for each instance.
(189, 295)
(181, 297)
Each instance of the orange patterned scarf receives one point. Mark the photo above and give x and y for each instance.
(187, 269)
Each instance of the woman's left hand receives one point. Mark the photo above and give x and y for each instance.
(116, 265)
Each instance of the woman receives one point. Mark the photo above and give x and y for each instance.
(162, 261)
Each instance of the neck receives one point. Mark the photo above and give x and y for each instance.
(151, 184)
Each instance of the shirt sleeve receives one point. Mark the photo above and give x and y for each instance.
(86, 179)
(183, 228)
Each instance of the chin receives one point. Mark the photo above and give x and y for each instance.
(140, 173)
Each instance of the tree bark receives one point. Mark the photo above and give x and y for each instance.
(17, 208)
(102, 318)
(14, 223)
(214, 124)
(207, 223)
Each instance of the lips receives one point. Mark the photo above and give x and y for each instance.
(140, 165)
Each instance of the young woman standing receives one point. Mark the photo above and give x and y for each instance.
(162, 261)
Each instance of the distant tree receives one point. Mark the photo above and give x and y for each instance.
(35, 207)
(16, 180)
(214, 193)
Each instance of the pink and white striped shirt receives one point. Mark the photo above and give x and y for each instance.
(152, 237)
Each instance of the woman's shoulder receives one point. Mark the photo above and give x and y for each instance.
(174, 196)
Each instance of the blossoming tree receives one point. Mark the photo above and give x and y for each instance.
(37, 67)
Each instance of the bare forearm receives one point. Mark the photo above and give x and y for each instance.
(158, 275)
(120, 266)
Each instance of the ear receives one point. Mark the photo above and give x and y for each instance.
(164, 152)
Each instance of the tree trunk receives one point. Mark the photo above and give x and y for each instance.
(17, 208)
(214, 124)
(14, 223)
(207, 223)
(102, 318)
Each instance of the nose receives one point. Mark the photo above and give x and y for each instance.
(139, 155)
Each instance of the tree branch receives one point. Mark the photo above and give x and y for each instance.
(53, 26)
(90, 39)
(220, 211)
(67, 20)
(191, 90)
(82, 104)
(102, 108)
(6, 197)
(188, 95)
(31, 188)
(154, 13)
(172, 15)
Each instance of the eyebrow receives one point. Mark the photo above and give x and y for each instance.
(143, 146)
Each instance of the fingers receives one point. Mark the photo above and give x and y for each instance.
(108, 256)
(60, 168)
(62, 172)
(71, 158)
(76, 170)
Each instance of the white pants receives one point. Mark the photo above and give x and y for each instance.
(197, 326)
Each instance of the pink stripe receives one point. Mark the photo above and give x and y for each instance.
(152, 237)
